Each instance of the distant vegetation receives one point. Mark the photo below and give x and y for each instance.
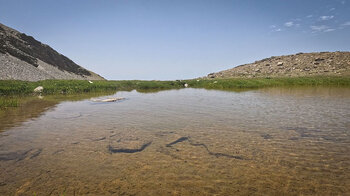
(241, 83)
(11, 87)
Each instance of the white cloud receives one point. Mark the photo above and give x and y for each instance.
(326, 17)
(278, 30)
(309, 16)
(289, 24)
(343, 2)
(346, 24)
(332, 9)
(319, 28)
(329, 30)
(272, 26)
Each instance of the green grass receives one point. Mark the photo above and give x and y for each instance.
(8, 102)
(10, 87)
(245, 83)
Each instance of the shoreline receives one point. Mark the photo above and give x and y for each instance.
(51, 87)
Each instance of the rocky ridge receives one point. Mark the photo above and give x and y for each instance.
(301, 64)
(24, 58)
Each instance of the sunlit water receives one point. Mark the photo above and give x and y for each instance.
(277, 141)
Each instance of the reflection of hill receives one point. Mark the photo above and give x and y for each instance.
(33, 107)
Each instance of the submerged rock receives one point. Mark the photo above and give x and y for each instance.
(108, 99)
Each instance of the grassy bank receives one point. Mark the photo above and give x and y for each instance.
(10, 88)
(241, 83)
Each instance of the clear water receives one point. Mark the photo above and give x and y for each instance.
(276, 141)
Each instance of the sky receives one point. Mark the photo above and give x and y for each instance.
(179, 39)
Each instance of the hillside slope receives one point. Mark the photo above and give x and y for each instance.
(24, 58)
(301, 64)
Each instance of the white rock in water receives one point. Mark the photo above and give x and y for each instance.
(108, 99)
(39, 89)
(186, 85)
(90, 82)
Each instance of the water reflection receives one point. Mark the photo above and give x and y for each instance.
(31, 107)
(184, 142)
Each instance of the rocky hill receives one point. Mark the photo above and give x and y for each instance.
(301, 64)
(24, 58)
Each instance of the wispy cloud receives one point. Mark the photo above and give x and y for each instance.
(346, 24)
(321, 28)
(309, 16)
(332, 9)
(329, 30)
(275, 28)
(326, 17)
(289, 24)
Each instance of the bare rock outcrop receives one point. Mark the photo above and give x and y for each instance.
(24, 58)
(301, 64)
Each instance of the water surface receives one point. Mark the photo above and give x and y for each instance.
(276, 141)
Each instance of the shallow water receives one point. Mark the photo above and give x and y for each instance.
(276, 141)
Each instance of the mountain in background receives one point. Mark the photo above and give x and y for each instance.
(24, 58)
(301, 64)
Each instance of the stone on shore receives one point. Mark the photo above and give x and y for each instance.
(39, 89)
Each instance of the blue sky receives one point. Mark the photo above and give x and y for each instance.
(179, 39)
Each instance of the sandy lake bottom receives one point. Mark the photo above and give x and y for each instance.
(274, 141)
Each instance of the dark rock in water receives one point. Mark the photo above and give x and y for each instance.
(181, 139)
(128, 150)
(58, 151)
(266, 136)
(20, 155)
(35, 153)
(99, 139)
(216, 154)
(12, 156)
